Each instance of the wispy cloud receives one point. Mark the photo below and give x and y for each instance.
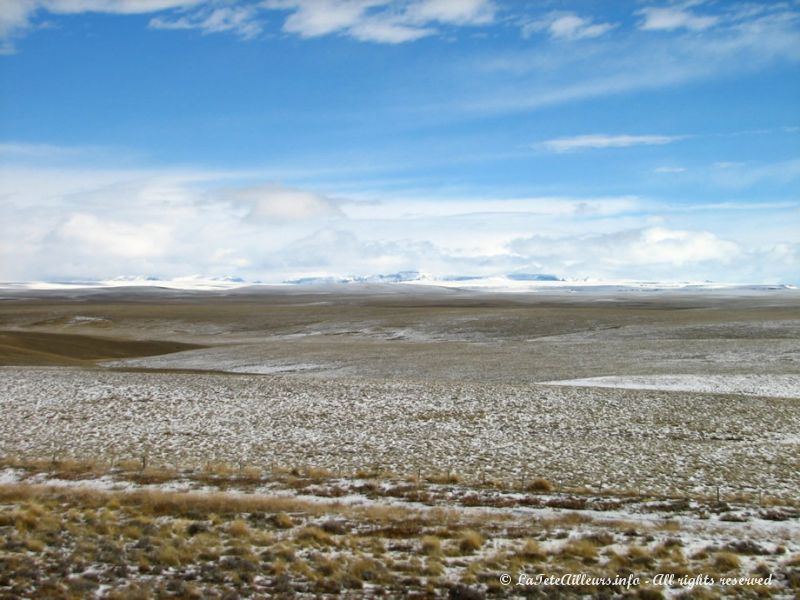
(31, 153)
(379, 20)
(308, 18)
(546, 207)
(455, 12)
(729, 174)
(27, 151)
(671, 18)
(123, 7)
(240, 20)
(567, 26)
(633, 60)
(386, 31)
(737, 175)
(591, 142)
(16, 16)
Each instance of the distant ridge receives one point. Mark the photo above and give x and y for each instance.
(532, 277)
(399, 277)
(510, 282)
(408, 276)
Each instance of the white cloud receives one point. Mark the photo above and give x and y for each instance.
(541, 207)
(127, 240)
(240, 20)
(310, 18)
(384, 21)
(16, 16)
(587, 142)
(665, 246)
(14, 19)
(628, 253)
(567, 26)
(634, 61)
(740, 175)
(124, 7)
(11, 150)
(670, 18)
(387, 32)
(455, 12)
(62, 223)
(278, 203)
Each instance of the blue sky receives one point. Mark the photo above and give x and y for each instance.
(277, 139)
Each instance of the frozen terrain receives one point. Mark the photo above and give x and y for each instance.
(417, 438)
(777, 386)
(622, 439)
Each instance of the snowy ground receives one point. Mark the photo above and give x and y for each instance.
(775, 386)
(641, 408)
(410, 534)
(623, 439)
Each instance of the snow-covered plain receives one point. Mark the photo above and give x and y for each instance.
(610, 438)
(388, 390)
(776, 386)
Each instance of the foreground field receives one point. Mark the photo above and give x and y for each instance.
(378, 441)
(78, 529)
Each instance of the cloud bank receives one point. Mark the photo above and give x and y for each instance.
(67, 224)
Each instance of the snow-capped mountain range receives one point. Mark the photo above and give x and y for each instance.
(508, 282)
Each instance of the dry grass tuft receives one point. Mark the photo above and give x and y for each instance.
(155, 475)
(218, 470)
(282, 521)
(317, 473)
(239, 529)
(540, 485)
(639, 555)
(532, 551)
(368, 569)
(443, 478)
(250, 474)
(314, 535)
(470, 541)
(431, 546)
(168, 556)
(584, 549)
(726, 562)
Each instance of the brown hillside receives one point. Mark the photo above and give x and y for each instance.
(30, 348)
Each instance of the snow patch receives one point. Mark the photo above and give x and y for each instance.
(774, 386)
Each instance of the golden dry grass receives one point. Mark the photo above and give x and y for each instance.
(226, 538)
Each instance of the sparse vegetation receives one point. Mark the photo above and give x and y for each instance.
(540, 485)
(583, 549)
(533, 551)
(431, 545)
(209, 465)
(726, 562)
(151, 537)
(282, 521)
(470, 541)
